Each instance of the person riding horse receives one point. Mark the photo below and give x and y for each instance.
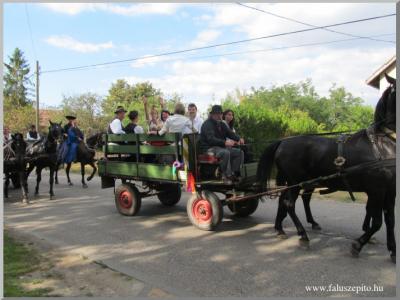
(72, 138)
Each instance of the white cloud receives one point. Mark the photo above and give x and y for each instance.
(67, 42)
(201, 81)
(126, 10)
(205, 37)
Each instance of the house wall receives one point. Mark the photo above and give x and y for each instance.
(383, 84)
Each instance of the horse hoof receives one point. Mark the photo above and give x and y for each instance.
(355, 248)
(25, 201)
(70, 183)
(316, 227)
(393, 258)
(304, 242)
(373, 241)
(89, 178)
(85, 186)
(52, 197)
(281, 235)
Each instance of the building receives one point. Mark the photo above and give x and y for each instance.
(377, 79)
(45, 115)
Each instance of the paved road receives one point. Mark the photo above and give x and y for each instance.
(243, 258)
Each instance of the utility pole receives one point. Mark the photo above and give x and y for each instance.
(37, 96)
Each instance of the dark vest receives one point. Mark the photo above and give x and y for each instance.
(130, 128)
(33, 134)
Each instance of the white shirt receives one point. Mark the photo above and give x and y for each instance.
(196, 123)
(116, 126)
(177, 123)
(29, 138)
(139, 129)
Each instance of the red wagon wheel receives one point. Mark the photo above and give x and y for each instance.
(127, 199)
(205, 210)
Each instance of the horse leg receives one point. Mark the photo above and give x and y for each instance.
(24, 186)
(38, 179)
(84, 185)
(29, 170)
(280, 216)
(6, 184)
(306, 202)
(93, 172)
(389, 221)
(56, 174)
(375, 210)
(51, 181)
(67, 171)
(367, 220)
(290, 204)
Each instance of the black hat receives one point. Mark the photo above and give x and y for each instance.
(119, 109)
(216, 109)
(133, 114)
(70, 117)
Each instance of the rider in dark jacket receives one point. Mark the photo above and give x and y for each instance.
(213, 138)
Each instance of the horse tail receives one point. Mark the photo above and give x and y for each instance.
(266, 163)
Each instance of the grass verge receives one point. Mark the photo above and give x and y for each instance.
(20, 260)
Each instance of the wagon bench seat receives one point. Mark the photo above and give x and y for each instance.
(208, 158)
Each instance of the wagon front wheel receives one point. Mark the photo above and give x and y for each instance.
(170, 194)
(127, 199)
(205, 210)
(243, 208)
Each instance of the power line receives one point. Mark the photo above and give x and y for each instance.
(310, 25)
(219, 45)
(255, 50)
(30, 30)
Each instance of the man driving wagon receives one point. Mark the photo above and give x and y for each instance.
(216, 137)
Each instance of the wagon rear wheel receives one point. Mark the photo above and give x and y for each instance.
(243, 208)
(205, 211)
(127, 199)
(170, 194)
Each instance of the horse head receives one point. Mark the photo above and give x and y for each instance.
(385, 111)
(55, 130)
(18, 145)
(95, 141)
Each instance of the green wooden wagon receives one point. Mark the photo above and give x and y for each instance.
(150, 165)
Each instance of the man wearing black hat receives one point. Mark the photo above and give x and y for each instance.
(116, 125)
(74, 138)
(213, 138)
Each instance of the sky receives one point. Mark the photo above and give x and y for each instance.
(75, 34)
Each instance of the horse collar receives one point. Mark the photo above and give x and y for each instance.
(390, 133)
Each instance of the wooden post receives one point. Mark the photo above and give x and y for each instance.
(37, 96)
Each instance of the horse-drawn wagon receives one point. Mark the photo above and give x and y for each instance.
(150, 165)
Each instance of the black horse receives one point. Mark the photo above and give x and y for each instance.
(15, 164)
(304, 158)
(85, 156)
(43, 154)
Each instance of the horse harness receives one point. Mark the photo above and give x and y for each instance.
(339, 162)
(383, 142)
(382, 145)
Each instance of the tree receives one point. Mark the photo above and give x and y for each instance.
(87, 108)
(291, 109)
(16, 80)
(122, 93)
(130, 96)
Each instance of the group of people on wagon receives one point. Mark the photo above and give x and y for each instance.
(218, 136)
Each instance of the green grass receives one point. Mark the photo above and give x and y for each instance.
(19, 260)
(344, 197)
